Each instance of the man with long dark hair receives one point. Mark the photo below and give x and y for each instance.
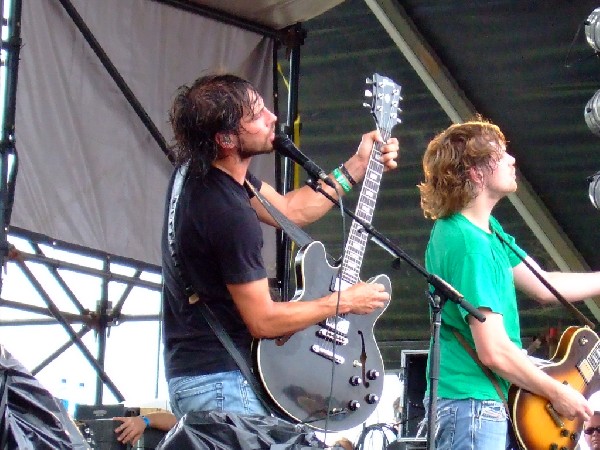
(467, 172)
(220, 122)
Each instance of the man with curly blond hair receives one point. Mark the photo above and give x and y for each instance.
(467, 172)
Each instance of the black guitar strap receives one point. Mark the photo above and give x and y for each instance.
(295, 233)
(207, 313)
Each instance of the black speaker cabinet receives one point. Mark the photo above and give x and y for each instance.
(414, 364)
(102, 434)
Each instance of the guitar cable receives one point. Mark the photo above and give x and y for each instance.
(337, 308)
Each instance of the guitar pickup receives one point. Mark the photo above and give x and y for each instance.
(331, 336)
(337, 325)
(325, 353)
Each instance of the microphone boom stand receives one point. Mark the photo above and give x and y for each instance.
(442, 291)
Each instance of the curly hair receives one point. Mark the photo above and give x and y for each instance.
(212, 104)
(447, 162)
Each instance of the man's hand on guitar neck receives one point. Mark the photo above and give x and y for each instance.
(357, 164)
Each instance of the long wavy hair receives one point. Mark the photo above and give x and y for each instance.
(448, 160)
(212, 104)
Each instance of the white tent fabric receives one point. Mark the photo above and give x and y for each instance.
(89, 171)
(276, 14)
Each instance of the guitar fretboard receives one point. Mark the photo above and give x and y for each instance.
(357, 239)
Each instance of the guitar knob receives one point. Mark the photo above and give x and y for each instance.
(372, 398)
(353, 405)
(355, 380)
(575, 437)
(564, 448)
(553, 446)
(564, 432)
(373, 374)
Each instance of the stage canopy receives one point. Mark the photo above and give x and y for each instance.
(90, 171)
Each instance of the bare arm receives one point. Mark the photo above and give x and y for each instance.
(132, 428)
(496, 351)
(303, 205)
(573, 286)
(266, 318)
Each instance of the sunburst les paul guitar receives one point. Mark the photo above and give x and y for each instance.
(296, 370)
(576, 362)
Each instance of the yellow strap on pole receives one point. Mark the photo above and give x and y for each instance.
(296, 139)
(296, 131)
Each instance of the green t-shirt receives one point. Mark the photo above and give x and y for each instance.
(479, 266)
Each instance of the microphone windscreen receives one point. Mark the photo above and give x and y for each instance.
(286, 147)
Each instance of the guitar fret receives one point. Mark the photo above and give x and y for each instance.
(353, 263)
(595, 356)
(355, 247)
(367, 209)
(369, 202)
(372, 184)
(370, 193)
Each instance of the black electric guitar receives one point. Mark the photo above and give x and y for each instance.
(576, 362)
(330, 375)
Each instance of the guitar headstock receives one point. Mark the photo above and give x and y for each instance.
(385, 98)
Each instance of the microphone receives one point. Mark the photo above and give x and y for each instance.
(284, 146)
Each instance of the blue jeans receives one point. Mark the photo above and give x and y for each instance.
(470, 425)
(224, 391)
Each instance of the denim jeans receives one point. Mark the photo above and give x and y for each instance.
(224, 391)
(470, 425)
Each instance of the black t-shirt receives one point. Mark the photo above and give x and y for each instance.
(218, 241)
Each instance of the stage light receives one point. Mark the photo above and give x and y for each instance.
(592, 113)
(592, 29)
(594, 191)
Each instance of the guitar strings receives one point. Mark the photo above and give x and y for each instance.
(376, 153)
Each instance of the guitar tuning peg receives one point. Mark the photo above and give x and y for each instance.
(368, 81)
(398, 120)
(368, 93)
(366, 105)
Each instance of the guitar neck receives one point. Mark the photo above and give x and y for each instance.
(385, 97)
(365, 208)
(588, 366)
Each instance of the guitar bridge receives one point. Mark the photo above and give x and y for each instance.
(328, 354)
(554, 415)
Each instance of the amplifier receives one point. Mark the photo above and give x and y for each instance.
(101, 434)
(93, 412)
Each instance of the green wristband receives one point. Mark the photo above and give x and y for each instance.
(342, 180)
